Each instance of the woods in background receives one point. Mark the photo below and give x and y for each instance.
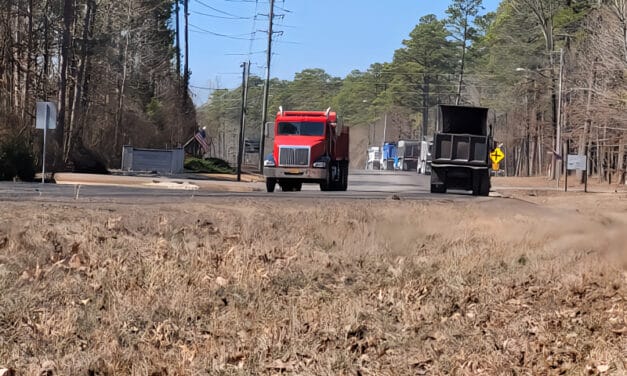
(508, 60)
(110, 68)
(114, 70)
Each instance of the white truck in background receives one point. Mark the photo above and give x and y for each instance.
(424, 162)
(374, 158)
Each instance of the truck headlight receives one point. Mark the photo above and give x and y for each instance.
(269, 163)
(320, 164)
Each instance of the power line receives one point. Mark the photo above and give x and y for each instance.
(215, 9)
(221, 17)
(234, 36)
(253, 33)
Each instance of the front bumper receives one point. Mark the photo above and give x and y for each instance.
(302, 173)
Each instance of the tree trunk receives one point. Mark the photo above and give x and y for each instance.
(620, 163)
(121, 86)
(80, 84)
(463, 60)
(541, 148)
(66, 46)
(27, 101)
(583, 138)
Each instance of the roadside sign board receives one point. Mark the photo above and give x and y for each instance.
(46, 115)
(576, 162)
(497, 155)
(46, 119)
(496, 167)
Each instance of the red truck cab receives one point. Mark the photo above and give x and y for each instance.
(309, 147)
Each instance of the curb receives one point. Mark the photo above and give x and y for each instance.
(152, 182)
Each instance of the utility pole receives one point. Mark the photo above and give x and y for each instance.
(240, 149)
(178, 42)
(186, 73)
(266, 87)
(425, 107)
(385, 126)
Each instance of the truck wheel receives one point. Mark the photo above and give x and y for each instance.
(481, 183)
(298, 186)
(438, 188)
(270, 184)
(485, 185)
(344, 178)
(327, 184)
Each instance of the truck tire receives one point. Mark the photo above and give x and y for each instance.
(438, 182)
(336, 184)
(270, 184)
(438, 188)
(481, 183)
(485, 185)
(344, 178)
(327, 184)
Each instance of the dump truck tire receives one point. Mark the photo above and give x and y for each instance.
(270, 184)
(438, 188)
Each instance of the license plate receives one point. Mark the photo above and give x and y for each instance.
(294, 171)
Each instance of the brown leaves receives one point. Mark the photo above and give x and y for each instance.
(4, 241)
(7, 372)
(280, 365)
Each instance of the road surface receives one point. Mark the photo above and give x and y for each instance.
(362, 185)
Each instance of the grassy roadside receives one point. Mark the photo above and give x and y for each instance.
(320, 287)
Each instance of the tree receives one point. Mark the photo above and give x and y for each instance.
(425, 54)
(107, 64)
(461, 16)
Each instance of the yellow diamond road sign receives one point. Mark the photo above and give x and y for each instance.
(497, 155)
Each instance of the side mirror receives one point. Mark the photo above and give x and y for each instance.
(269, 129)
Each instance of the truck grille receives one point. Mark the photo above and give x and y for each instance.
(293, 156)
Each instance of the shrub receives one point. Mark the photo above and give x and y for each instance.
(211, 165)
(16, 159)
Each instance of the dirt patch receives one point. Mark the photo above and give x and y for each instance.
(542, 183)
(316, 287)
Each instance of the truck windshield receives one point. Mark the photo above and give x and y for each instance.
(301, 128)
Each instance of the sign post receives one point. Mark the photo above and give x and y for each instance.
(46, 119)
(577, 162)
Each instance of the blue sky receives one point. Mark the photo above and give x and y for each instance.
(335, 35)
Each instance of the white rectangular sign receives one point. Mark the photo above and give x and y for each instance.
(576, 162)
(46, 115)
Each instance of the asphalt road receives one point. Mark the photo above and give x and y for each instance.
(362, 185)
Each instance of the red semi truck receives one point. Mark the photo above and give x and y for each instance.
(309, 147)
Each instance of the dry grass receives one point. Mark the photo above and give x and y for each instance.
(314, 288)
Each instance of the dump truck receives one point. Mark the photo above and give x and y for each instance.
(388, 156)
(408, 154)
(308, 147)
(461, 147)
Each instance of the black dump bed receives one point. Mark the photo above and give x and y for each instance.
(463, 120)
(463, 137)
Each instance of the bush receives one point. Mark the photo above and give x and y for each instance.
(16, 159)
(211, 165)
